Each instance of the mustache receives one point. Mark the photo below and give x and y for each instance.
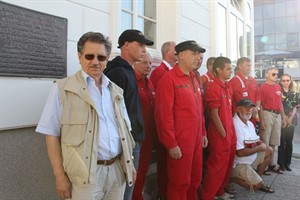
(95, 66)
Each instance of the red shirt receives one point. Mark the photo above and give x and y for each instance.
(271, 97)
(147, 97)
(197, 76)
(219, 95)
(244, 88)
(158, 72)
(178, 109)
(208, 77)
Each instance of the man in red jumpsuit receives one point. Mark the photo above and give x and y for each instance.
(197, 74)
(209, 76)
(147, 94)
(221, 133)
(169, 59)
(245, 86)
(180, 123)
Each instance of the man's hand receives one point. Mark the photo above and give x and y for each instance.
(289, 121)
(63, 186)
(283, 122)
(204, 141)
(175, 153)
(133, 175)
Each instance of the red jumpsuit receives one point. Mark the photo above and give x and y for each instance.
(147, 95)
(244, 88)
(157, 73)
(180, 122)
(208, 77)
(221, 150)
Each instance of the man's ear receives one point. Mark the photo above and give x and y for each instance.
(180, 56)
(218, 69)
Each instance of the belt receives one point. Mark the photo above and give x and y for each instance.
(107, 162)
(273, 111)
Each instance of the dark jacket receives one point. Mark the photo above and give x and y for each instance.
(120, 72)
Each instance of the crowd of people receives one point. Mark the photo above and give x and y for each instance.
(211, 131)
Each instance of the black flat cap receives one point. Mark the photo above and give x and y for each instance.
(131, 35)
(189, 45)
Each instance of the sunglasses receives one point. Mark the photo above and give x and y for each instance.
(285, 80)
(274, 74)
(92, 56)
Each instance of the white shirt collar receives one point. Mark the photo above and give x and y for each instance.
(240, 121)
(168, 65)
(87, 78)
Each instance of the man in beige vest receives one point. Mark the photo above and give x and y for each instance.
(87, 128)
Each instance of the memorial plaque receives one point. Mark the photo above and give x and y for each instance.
(32, 44)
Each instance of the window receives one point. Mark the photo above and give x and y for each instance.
(258, 27)
(280, 25)
(222, 27)
(259, 45)
(268, 11)
(240, 29)
(269, 26)
(141, 15)
(233, 38)
(291, 8)
(292, 40)
(292, 25)
(258, 12)
(248, 33)
(279, 9)
(127, 15)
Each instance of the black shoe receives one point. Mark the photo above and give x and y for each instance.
(287, 167)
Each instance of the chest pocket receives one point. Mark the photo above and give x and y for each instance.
(74, 125)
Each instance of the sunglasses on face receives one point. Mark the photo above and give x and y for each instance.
(274, 74)
(285, 80)
(92, 56)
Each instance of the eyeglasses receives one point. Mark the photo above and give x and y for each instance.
(274, 74)
(92, 56)
(285, 80)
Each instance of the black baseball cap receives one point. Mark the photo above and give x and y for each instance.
(246, 102)
(188, 45)
(131, 35)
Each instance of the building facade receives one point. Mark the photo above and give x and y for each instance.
(224, 28)
(277, 33)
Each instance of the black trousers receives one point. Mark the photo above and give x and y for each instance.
(285, 150)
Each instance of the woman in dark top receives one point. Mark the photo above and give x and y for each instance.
(290, 102)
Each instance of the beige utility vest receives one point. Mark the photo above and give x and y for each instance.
(80, 130)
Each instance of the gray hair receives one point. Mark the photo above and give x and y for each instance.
(270, 69)
(95, 37)
(166, 47)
